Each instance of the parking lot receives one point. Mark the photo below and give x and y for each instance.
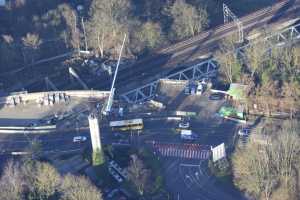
(173, 95)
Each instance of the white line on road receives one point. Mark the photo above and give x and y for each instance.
(188, 165)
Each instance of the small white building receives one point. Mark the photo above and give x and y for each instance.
(95, 132)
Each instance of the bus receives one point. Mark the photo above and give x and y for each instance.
(127, 125)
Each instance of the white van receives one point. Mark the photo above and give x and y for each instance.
(79, 139)
(186, 134)
(199, 89)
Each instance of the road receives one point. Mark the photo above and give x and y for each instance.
(50, 142)
(190, 180)
(162, 130)
(181, 54)
(210, 132)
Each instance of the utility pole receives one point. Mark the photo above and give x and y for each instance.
(98, 157)
(84, 34)
(112, 90)
(228, 14)
(75, 29)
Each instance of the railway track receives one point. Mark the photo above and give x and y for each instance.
(175, 55)
(247, 18)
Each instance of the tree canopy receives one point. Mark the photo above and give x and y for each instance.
(39, 180)
(266, 171)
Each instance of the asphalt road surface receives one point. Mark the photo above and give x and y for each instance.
(190, 180)
(49, 142)
(211, 133)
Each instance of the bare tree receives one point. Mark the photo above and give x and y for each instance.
(70, 17)
(264, 170)
(187, 20)
(39, 180)
(31, 44)
(138, 174)
(11, 182)
(291, 93)
(42, 180)
(230, 67)
(148, 36)
(253, 172)
(228, 44)
(296, 57)
(255, 56)
(46, 181)
(285, 150)
(107, 25)
(79, 188)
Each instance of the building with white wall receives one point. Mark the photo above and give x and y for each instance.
(96, 139)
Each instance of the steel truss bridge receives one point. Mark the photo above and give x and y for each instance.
(208, 68)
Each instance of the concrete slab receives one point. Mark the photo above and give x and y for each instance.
(171, 94)
(22, 115)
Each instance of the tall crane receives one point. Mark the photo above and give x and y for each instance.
(112, 90)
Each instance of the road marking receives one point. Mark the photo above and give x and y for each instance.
(171, 165)
(189, 165)
(186, 151)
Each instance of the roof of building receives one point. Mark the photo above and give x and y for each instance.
(228, 111)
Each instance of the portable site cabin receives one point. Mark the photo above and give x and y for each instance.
(227, 111)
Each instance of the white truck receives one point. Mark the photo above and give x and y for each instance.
(186, 134)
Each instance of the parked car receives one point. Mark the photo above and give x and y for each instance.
(193, 89)
(244, 132)
(32, 125)
(184, 125)
(187, 90)
(216, 96)
(79, 139)
(200, 89)
(188, 135)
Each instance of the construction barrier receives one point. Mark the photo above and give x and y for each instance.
(27, 128)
